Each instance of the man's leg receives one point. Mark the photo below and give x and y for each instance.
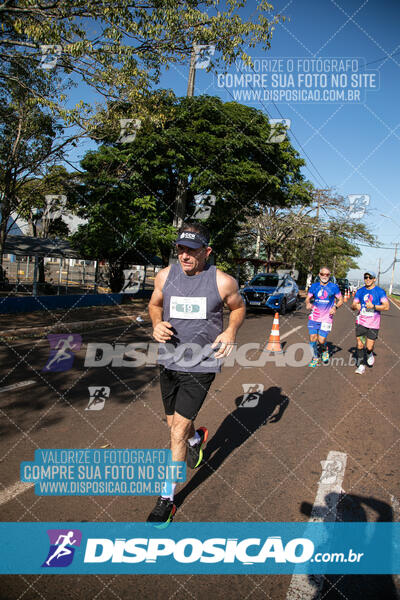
(372, 335)
(165, 508)
(181, 430)
(314, 349)
(186, 392)
(192, 393)
(323, 348)
(360, 356)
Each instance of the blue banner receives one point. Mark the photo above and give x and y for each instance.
(105, 472)
(201, 548)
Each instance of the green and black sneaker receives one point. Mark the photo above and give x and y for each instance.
(162, 514)
(194, 454)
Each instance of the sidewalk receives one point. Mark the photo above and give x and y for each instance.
(40, 323)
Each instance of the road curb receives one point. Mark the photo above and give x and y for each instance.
(41, 331)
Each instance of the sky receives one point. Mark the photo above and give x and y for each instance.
(348, 50)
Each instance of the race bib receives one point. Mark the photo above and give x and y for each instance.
(326, 326)
(188, 308)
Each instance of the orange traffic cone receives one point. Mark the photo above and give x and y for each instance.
(274, 342)
(346, 296)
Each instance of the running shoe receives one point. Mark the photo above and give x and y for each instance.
(194, 454)
(370, 359)
(325, 357)
(314, 362)
(360, 369)
(162, 514)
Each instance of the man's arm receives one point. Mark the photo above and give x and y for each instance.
(339, 302)
(308, 301)
(356, 303)
(379, 307)
(161, 329)
(229, 292)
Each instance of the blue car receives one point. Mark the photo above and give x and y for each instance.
(271, 291)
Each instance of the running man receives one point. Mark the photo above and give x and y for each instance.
(370, 301)
(186, 310)
(65, 348)
(323, 308)
(62, 549)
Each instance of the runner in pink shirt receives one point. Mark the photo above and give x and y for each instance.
(370, 301)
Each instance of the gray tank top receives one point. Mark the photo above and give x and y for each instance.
(193, 306)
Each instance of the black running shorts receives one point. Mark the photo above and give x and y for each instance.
(371, 334)
(183, 392)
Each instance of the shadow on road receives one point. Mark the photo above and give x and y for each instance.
(352, 508)
(234, 430)
(333, 348)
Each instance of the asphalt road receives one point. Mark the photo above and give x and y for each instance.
(263, 462)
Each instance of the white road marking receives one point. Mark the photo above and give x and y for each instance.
(394, 304)
(16, 386)
(309, 587)
(396, 508)
(14, 490)
(285, 335)
(396, 518)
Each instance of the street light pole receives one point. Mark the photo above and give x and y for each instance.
(192, 73)
(319, 196)
(394, 264)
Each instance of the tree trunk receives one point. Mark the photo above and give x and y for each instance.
(5, 210)
(180, 203)
(116, 276)
(2, 242)
(42, 277)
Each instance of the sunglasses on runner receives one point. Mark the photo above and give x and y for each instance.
(368, 277)
(325, 274)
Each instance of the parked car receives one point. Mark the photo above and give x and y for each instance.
(343, 284)
(271, 291)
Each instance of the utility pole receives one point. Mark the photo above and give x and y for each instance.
(311, 265)
(257, 251)
(181, 192)
(379, 269)
(394, 265)
(192, 74)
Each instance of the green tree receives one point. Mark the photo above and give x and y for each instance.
(214, 148)
(119, 47)
(27, 139)
(41, 203)
(306, 234)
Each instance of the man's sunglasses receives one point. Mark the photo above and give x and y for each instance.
(325, 274)
(368, 277)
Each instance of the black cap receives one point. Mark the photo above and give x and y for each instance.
(191, 239)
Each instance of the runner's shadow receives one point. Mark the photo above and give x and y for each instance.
(352, 508)
(333, 348)
(234, 430)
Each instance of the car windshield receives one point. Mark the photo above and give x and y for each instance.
(265, 280)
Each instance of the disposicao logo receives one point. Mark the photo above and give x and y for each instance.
(62, 547)
(62, 348)
(191, 550)
(322, 294)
